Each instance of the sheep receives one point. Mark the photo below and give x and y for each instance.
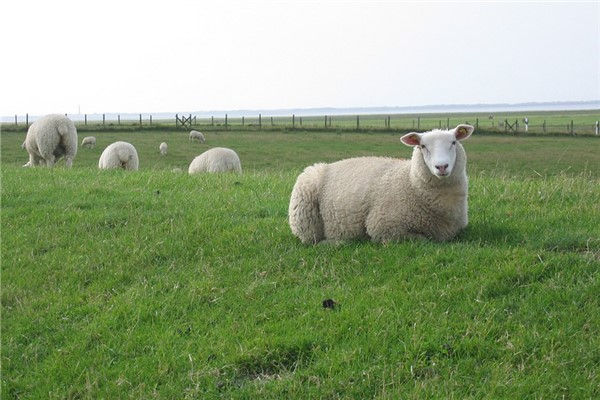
(119, 155)
(386, 199)
(163, 149)
(195, 135)
(88, 141)
(217, 159)
(50, 138)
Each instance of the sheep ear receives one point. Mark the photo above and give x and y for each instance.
(411, 139)
(463, 131)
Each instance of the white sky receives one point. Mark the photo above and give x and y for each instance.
(125, 56)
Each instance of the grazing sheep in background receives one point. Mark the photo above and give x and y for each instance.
(88, 141)
(163, 149)
(119, 155)
(50, 138)
(217, 159)
(386, 199)
(199, 136)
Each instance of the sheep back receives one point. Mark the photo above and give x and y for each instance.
(217, 159)
(50, 138)
(119, 155)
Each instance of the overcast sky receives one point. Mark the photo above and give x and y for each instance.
(124, 56)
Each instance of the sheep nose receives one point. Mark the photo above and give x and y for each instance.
(441, 168)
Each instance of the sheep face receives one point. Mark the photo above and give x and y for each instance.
(438, 148)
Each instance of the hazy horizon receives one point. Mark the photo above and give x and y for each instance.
(149, 57)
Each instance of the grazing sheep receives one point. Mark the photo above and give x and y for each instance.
(88, 141)
(217, 159)
(50, 138)
(195, 135)
(386, 199)
(163, 149)
(119, 155)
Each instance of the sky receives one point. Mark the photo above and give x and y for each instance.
(128, 56)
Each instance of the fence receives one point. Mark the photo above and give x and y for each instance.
(365, 122)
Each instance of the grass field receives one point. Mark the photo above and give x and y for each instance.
(153, 284)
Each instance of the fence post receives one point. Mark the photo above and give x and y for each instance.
(544, 126)
(326, 121)
(293, 121)
(103, 119)
(119, 119)
(357, 122)
(448, 123)
(140, 119)
(150, 119)
(597, 127)
(516, 126)
(212, 120)
(176, 120)
(505, 126)
(242, 121)
(300, 121)
(225, 121)
(259, 121)
(84, 119)
(440, 124)
(15, 119)
(572, 127)
(477, 123)
(271, 121)
(27, 120)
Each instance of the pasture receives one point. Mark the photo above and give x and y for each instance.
(153, 284)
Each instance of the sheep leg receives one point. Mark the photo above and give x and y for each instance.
(50, 159)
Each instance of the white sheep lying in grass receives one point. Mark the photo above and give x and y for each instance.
(50, 138)
(386, 199)
(119, 155)
(195, 135)
(88, 141)
(217, 159)
(163, 149)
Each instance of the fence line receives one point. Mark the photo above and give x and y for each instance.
(342, 122)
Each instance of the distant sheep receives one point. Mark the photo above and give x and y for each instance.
(50, 138)
(386, 199)
(217, 159)
(195, 135)
(88, 141)
(163, 149)
(119, 155)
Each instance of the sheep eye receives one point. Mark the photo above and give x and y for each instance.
(422, 146)
(454, 142)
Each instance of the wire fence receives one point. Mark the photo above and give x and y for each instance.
(552, 124)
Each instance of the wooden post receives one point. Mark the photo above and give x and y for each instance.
(119, 119)
(85, 119)
(418, 123)
(440, 124)
(150, 119)
(447, 123)
(140, 119)
(15, 119)
(477, 123)
(27, 120)
(326, 121)
(300, 121)
(357, 122)
(390, 121)
(225, 121)
(176, 120)
(293, 121)
(544, 126)
(272, 121)
(571, 127)
(212, 120)
(103, 119)
(242, 121)
(259, 121)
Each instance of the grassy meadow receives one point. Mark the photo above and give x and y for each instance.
(154, 284)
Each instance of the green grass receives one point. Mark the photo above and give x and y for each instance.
(153, 284)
